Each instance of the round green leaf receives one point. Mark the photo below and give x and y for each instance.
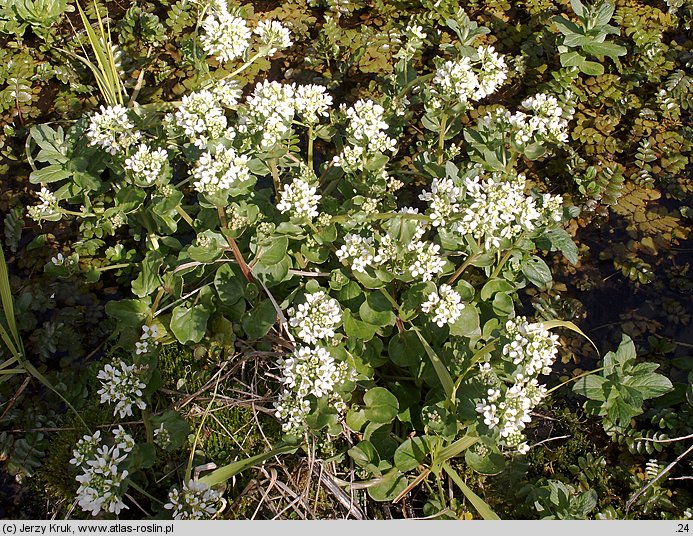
(189, 324)
(405, 349)
(259, 320)
(410, 454)
(381, 405)
(229, 285)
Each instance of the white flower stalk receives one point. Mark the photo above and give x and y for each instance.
(123, 441)
(102, 477)
(201, 118)
(273, 35)
(457, 80)
(122, 386)
(112, 129)
(550, 119)
(445, 304)
(85, 448)
(368, 127)
(149, 335)
(312, 371)
(147, 164)
(300, 199)
(227, 93)
(427, 260)
(46, 208)
(443, 200)
(195, 501)
(270, 111)
(532, 347)
(291, 411)
(316, 318)
(357, 250)
(312, 102)
(493, 70)
(220, 170)
(226, 36)
(497, 210)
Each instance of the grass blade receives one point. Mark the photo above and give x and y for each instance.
(484, 509)
(440, 368)
(224, 473)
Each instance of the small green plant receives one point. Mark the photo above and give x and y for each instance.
(588, 38)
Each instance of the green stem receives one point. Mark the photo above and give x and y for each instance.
(185, 216)
(441, 138)
(243, 67)
(506, 257)
(114, 267)
(148, 425)
(75, 213)
(462, 268)
(275, 175)
(310, 146)
(573, 379)
(389, 297)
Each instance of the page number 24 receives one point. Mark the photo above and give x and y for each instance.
(682, 527)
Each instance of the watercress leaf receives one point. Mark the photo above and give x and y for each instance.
(491, 462)
(467, 325)
(388, 487)
(229, 284)
(358, 329)
(189, 324)
(592, 68)
(381, 405)
(503, 304)
(377, 310)
(405, 349)
(259, 320)
(410, 454)
(559, 240)
(536, 270)
(52, 173)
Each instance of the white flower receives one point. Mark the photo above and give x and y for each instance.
(101, 480)
(195, 501)
(122, 385)
(273, 34)
(457, 80)
(162, 437)
(123, 440)
(550, 120)
(532, 346)
(147, 164)
(227, 92)
(493, 71)
(85, 448)
(46, 208)
(112, 130)
(368, 127)
(357, 249)
(299, 198)
(316, 318)
(220, 170)
(201, 117)
(292, 411)
(312, 101)
(427, 261)
(270, 111)
(312, 371)
(445, 303)
(225, 35)
(443, 200)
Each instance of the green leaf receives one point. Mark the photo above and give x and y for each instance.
(274, 252)
(538, 273)
(467, 325)
(222, 474)
(611, 50)
(381, 405)
(405, 349)
(52, 173)
(559, 240)
(358, 329)
(148, 279)
(491, 463)
(259, 320)
(578, 8)
(492, 286)
(131, 313)
(377, 310)
(388, 486)
(592, 68)
(651, 385)
(439, 366)
(176, 427)
(477, 502)
(571, 59)
(229, 284)
(189, 324)
(503, 304)
(592, 387)
(534, 151)
(410, 454)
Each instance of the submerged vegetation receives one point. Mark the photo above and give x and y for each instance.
(360, 259)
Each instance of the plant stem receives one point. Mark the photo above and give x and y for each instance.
(441, 138)
(275, 176)
(310, 146)
(462, 268)
(185, 216)
(114, 267)
(148, 425)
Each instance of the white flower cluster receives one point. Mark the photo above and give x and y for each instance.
(445, 303)
(147, 164)
(195, 501)
(102, 471)
(270, 111)
(316, 318)
(550, 119)
(226, 36)
(220, 170)
(490, 209)
(368, 127)
(112, 129)
(459, 80)
(312, 101)
(149, 335)
(532, 349)
(46, 208)
(414, 39)
(308, 371)
(311, 371)
(123, 386)
(358, 250)
(299, 198)
(274, 35)
(419, 258)
(201, 116)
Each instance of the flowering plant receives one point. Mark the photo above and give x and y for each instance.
(272, 213)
